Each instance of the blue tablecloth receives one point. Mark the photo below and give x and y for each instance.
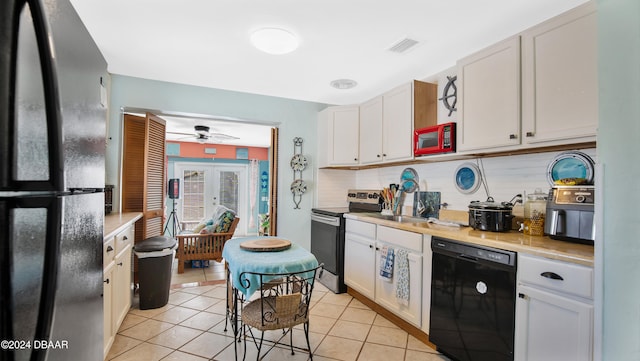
(294, 259)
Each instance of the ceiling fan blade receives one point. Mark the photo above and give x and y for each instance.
(180, 133)
(221, 136)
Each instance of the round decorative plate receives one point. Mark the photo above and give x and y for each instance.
(574, 166)
(266, 245)
(467, 178)
(409, 180)
(298, 162)
(298, 187)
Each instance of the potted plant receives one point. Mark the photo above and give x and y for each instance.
(265, 224)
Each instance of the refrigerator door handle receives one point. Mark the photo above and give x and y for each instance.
(11, 12)
(54, 206)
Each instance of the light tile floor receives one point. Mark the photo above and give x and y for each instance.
(191, 327)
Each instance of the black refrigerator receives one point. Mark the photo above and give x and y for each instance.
(52, 143)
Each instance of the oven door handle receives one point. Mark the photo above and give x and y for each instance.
(332, 221)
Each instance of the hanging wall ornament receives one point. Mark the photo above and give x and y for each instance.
(298, 164)
(450, 94)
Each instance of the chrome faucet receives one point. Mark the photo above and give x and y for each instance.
(420, 208)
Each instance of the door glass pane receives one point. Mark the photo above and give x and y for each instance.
(229, 189)
(193, 191)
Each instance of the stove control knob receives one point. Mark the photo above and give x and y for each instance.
(580, 199)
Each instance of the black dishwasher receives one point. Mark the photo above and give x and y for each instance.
(473, 291)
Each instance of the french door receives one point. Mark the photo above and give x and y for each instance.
(205, 186)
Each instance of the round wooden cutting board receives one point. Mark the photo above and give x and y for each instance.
(266, 245)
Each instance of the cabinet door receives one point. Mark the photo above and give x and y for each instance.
(107, 294)
(359, 264)
(371, 131)
(397, 125)
(560, 77)
(386, 290)
(121, 287)
(489, 97)
(343, 135)
(552, 327)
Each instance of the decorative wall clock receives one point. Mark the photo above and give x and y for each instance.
(298, 164)
(450, 94)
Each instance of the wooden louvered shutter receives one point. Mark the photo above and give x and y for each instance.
(143, 172)
(153, 205)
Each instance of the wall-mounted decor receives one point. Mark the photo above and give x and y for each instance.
(298, 164)
(450, 94)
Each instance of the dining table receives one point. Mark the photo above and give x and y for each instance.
(241, 255)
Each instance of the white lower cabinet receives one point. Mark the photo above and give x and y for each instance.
(363, 243)
(121, 302)
(554, 311)
(410, 311)
(116, 292)
(107, 296)
(359, 262)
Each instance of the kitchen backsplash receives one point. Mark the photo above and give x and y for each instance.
(506, 176)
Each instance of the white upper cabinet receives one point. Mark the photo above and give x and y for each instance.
(557, 101)
(397, 124)
(489, 97)
(371, 131)
(387, 122)
(338, 136)
(560, 78)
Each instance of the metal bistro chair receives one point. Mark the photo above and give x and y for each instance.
(282, 303)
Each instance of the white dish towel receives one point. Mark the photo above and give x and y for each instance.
(386, 263)
(402, 273)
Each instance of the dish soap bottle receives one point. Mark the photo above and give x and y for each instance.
(534, 213)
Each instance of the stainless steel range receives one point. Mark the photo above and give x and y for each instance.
(327, 235)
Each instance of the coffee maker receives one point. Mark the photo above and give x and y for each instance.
(569, 214)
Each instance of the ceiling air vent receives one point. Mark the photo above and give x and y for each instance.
(403, 45)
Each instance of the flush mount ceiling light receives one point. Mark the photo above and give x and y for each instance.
(274, 40)
(343, 83)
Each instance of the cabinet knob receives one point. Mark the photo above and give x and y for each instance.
(384, 155)
(125, 238)
(371, 246)
(355, 159)
(513, 136)
(109, 248)
(120, 264)
(106, 281)
(530, 134)
(378, 155)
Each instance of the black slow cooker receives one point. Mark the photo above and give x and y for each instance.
(490, 215)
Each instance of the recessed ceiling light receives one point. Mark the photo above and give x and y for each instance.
(274, 40)
(343, 83)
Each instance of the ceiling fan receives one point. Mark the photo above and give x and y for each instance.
(202, 135)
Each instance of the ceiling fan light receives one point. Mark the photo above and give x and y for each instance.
(201, 140)
(275, 41)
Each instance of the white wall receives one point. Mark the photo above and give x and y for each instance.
(618, 249)
(294, 118)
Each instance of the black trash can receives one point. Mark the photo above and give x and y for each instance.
(155, 256)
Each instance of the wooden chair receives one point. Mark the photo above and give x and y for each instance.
(193, 247)
(283, 303)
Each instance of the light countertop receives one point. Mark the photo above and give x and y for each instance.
(114, 223)
(512, 241)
